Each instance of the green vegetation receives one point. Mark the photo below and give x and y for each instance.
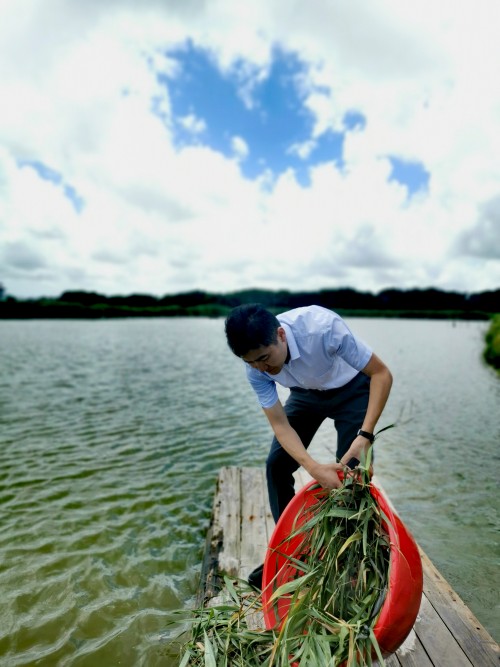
(416, 303)
(335, 586)
(492, 338)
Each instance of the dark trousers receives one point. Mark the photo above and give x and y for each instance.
(306, 410)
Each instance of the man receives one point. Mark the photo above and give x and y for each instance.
(330, 372)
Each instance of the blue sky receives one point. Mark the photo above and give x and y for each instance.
(164, 147)
(271, 119)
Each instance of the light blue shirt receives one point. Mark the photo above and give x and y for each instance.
(324, 354)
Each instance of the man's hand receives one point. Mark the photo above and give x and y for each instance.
(357, 450)
(326, 474)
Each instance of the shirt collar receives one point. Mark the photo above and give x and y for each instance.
(292, 345)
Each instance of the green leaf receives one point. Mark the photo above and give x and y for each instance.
(341, 513)
(209, 652)
(384, 429)
(377, 648)
(353, 538)
(231, 590)
(291, 586)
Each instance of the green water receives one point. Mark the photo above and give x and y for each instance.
(111, 437)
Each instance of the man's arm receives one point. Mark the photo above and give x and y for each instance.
(380, 387)
(324, 473)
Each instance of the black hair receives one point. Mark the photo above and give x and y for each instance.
(249, 327)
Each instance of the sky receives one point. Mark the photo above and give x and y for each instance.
(164, 146)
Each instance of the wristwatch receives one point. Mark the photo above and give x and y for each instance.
(368, 436)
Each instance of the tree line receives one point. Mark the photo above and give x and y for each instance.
(426, 303)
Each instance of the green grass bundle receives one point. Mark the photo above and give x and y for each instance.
(339, 585)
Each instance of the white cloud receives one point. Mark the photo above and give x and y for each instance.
(192, 124)
(303, 150)
(240, 147)
(78, 83)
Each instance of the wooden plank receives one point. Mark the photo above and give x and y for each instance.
(229, 523)
(440, 645)
(463, 625)
(270, 525)
(222, 548)
(253, 532)
(253, 520)
(412, 653)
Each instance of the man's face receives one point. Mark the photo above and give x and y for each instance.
(269, 358)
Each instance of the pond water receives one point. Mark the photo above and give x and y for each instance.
(112, 434)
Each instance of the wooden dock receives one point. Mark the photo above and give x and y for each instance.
(446, 633)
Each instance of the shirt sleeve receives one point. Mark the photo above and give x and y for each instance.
(341, 341)
(264, 387)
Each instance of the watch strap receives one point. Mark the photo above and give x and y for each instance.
(367, 435)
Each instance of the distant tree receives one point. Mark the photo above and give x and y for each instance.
(421, 299)
(188, 299)
(134, 300)
(487, 301)
(2, 292)
(85, 298)
(347, 298)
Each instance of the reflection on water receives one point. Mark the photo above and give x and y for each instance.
(112, 434)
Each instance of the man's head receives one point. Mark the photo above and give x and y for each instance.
(255, 335)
